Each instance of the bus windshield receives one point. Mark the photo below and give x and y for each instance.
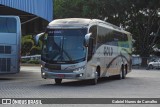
(64, 45)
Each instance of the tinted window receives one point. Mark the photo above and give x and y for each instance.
(7, 25)
(1, 49)
(111, 37)
(93, 30)
(106, 36)
(5, 49)
(122, 39)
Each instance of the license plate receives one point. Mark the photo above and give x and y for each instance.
(60, 75)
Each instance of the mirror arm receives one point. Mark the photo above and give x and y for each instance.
(87, 37)
(37, 37)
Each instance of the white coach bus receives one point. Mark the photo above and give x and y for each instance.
(10, 37)
(76, 48)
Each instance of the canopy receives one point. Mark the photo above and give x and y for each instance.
(40, 8)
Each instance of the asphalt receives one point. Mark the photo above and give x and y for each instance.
(29, 84)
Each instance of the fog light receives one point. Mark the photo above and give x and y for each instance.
(80, 75)
(43, 73)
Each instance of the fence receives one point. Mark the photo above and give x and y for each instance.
(35, 59)
(143, 62)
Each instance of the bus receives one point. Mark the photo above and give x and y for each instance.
(10, 44)
(79, 48)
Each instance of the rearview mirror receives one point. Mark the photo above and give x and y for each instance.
(86, 39)
(37, 37)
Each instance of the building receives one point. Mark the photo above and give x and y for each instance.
(34, 14)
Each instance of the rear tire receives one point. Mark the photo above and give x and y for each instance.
(58, 81)
(122, 74)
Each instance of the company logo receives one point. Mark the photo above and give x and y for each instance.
(6, 101)
(108, 51)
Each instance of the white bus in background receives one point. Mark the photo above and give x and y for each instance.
(76, 48)
(10, 44)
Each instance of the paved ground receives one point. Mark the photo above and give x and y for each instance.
(29, 84)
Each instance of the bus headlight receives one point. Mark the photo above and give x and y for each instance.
(43, 74)
(77, 70)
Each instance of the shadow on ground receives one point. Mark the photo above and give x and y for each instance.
(82, 83)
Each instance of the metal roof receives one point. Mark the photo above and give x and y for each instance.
(40, 8)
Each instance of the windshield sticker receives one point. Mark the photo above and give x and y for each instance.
(57, 31)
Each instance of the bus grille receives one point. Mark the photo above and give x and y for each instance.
(5, 64)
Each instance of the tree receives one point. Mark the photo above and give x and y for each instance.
(143, 22)
(140, 17)
(35, 50)
(26, 44)
(75, 8)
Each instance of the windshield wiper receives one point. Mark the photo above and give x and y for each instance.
(60, 56)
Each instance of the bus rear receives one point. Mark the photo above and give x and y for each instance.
(10, 34)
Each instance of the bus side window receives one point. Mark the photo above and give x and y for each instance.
(93, 30)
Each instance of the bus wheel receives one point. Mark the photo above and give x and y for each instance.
(58, 81)
(122, 74)
(126, 69)
(94, 81)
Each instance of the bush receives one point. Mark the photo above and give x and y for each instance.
(24, 60)
(35, 50)
(26, 44)
(34, 61)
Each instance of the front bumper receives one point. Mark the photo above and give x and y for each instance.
(61, 75)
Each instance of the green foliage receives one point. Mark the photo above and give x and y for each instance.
(26, 37)
(24, 60)
(136, 16)
(34, 61)
(35, 50)
(26, 43)
(140, 17)
(28, 46)
(75, 8)
(30, 61)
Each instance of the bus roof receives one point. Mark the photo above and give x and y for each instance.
(69, 22)
(79, 23)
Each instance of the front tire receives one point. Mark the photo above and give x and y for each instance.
(150, 67)
(95, 80)
(58, 81)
